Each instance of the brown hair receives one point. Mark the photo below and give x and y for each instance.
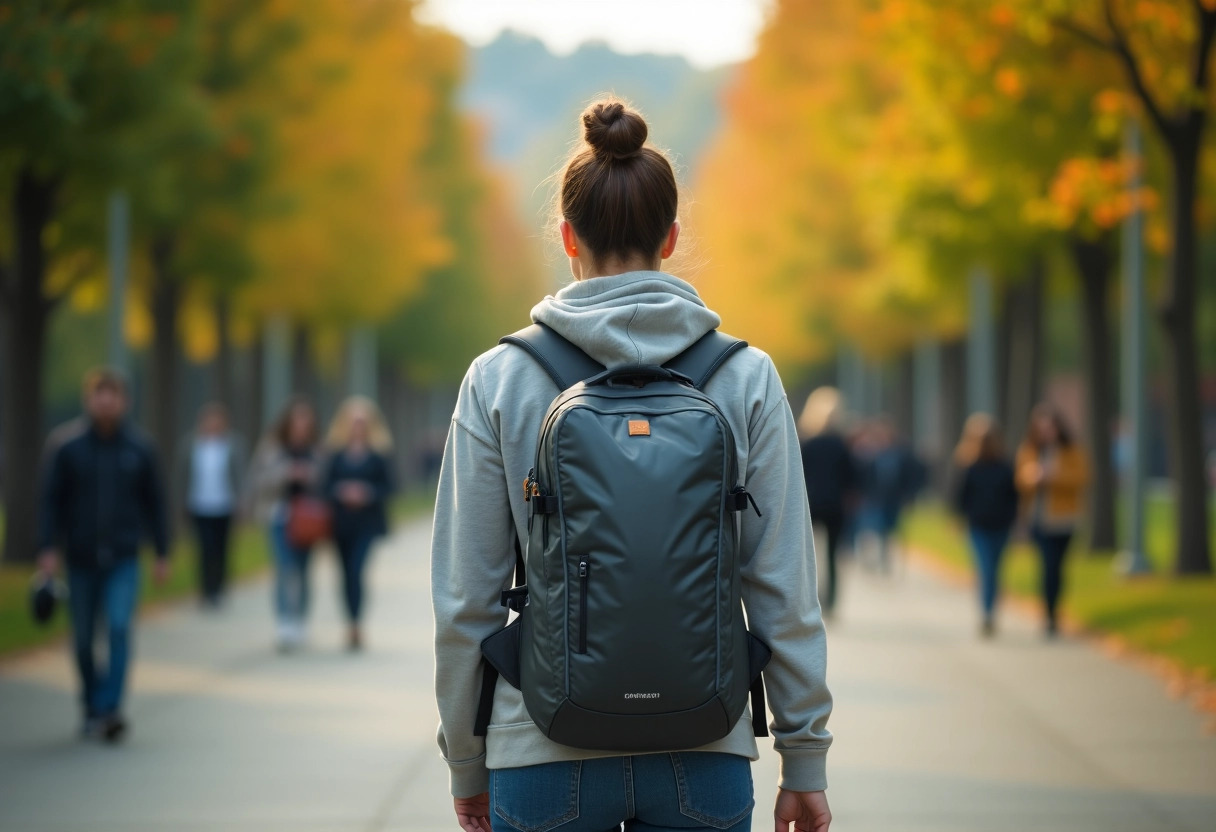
(282, 426)
(981, 441)
(1047, 410)
(103, 378)
(618, 194)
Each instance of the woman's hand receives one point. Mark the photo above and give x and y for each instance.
(353, 494)
(473, 813)
(808, 811)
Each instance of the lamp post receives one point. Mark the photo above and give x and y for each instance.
(361, 369)
(981, 344)
(1132, 560)
(118, 230)
(276, 366)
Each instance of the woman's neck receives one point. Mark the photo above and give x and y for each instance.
(588, 268)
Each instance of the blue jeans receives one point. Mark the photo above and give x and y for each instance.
(988, 545)
(109, 595)
(694, 790)
(290, 574)
(353, 552)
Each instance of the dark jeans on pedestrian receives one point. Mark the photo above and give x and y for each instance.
(212, 533)
(832, 523)
(988, 546)
(353, 552)
(105, 595)
(1053, 545)
(694, 790)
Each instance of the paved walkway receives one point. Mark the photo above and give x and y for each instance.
(935, 730)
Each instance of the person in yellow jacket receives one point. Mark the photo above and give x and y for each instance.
(1052, 473)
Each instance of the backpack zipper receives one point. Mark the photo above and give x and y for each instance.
(584, 572)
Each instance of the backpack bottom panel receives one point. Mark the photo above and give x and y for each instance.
(640, 733)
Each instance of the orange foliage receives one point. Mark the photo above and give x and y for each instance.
(876, 151)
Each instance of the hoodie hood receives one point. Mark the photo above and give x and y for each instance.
(630, 318)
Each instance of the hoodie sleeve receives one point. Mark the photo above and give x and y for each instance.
(780, 596)
(472, 558)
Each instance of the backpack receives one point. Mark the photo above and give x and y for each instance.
(630, 634)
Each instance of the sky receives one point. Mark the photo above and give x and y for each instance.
(707, 32)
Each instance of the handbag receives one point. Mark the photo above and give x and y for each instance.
(309, 521)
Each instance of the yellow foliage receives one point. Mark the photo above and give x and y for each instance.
(876, 150)
(196, 321)
(353, 232)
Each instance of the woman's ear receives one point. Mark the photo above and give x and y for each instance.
(569, 240)
(669, 244)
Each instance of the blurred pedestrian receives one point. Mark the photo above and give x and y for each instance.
(287, 469)
(102, 494)
(891, 477)
(210, 469)
(358, 482)
(831, 476)
(987, 498)
(1052, 472)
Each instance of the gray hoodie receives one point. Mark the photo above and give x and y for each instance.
(631, 318)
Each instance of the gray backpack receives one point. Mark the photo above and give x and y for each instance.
(630, 635)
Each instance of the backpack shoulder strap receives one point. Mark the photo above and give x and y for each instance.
(700, 361)
(565, 363)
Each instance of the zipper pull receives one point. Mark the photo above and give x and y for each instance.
(583, 566)
(741, 499)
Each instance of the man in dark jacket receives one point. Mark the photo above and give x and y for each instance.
(102, 494)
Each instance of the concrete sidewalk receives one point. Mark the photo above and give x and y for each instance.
(935, 730)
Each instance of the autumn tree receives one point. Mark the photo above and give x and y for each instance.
(492, 277)
(1043, 115)
(198, 189)
(350, 229)
(1164, 49)
(896, 146)
(77, 81)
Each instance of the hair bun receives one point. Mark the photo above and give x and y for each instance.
(613, 130)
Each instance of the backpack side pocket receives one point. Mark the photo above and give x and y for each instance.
(758, 656)
(500, 657)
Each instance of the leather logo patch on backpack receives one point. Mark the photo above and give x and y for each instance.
(639, 427)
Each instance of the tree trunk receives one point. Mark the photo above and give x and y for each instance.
(165, 303)
(1023, 353)
(255, 393)
(304, 380)
(1182, 364)
(1095, 261)
(221, 371)
(902, 398)
(1005, 322)
(26, 314)
(954, 402)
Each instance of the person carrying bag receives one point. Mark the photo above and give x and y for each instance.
(622, 542)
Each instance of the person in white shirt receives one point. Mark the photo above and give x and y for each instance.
(212, 462)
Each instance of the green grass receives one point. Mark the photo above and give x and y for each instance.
(412, 505)
(1160, 614)
(249, 556)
